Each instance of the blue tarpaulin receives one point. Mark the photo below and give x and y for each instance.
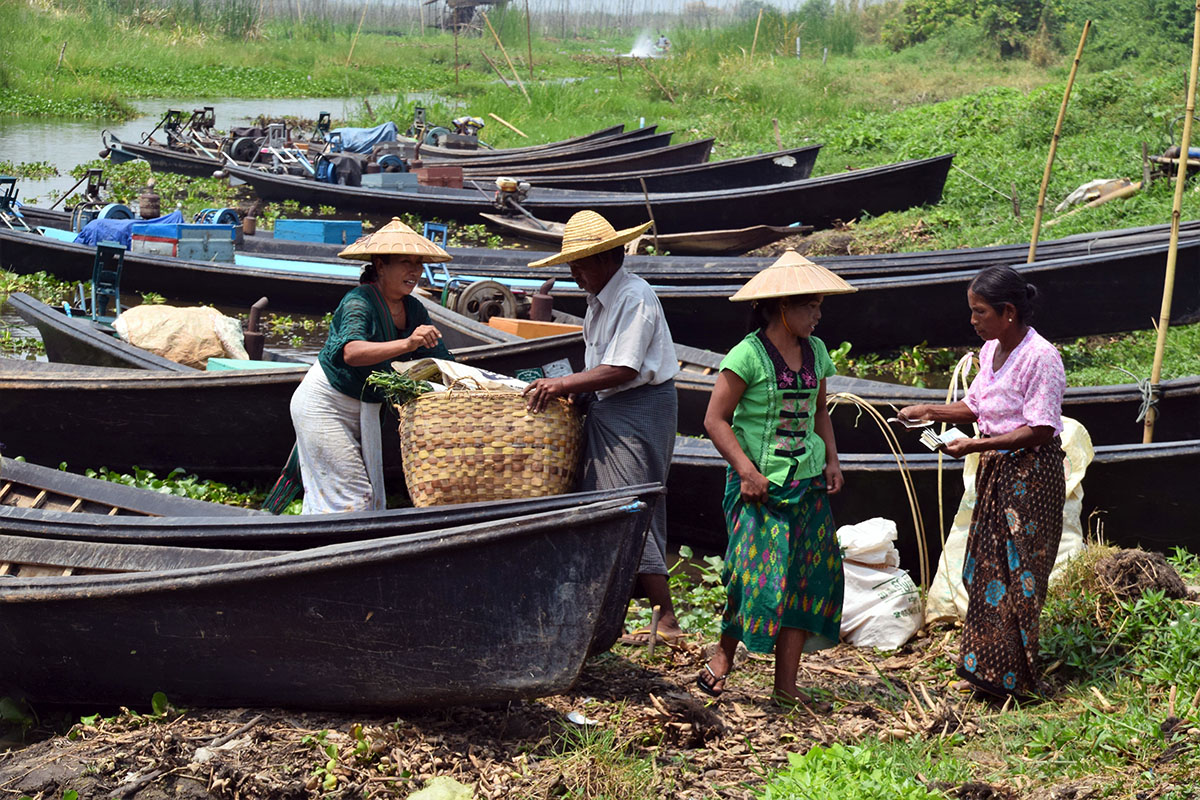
(361, 140)
(119, 230)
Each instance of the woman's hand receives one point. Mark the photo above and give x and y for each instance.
(833, 477)
(423, 336)
(754, 487)
(542, 391)
(914, 413)
(959, 447)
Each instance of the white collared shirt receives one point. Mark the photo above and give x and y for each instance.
(625, 327)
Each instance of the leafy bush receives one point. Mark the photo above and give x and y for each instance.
(847, 773)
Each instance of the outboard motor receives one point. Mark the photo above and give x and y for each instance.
(510, 193)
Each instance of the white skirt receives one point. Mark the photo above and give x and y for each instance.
(340, 448)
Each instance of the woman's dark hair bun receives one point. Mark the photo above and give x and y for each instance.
(1000, 286)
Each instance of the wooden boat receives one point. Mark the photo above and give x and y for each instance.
(29, 490)
(727, 242)
(1142, 491)
(760, 170)
(815, 201)
(1109, 292)
(280, 629)
(169, 159)
(651, 153)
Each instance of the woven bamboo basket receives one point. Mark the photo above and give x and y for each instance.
(463, 446)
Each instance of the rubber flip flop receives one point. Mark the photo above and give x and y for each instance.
(709, 687)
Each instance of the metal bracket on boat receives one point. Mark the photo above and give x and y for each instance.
(10, 211)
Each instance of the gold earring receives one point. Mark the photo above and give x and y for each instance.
(1010, 319)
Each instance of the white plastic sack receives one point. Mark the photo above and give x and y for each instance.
(947, 596)
(870, 542)
(188, 336)
(882, 606)
(453, 372)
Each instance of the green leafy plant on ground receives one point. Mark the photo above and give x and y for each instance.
(697, 593)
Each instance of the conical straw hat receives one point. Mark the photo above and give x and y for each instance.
(792, 274)
(587, 233)
(395, 239)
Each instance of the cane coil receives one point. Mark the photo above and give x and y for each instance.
(463, 446)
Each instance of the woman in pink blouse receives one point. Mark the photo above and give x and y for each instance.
(1017, 400)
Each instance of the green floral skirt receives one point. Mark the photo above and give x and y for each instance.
(783, 567)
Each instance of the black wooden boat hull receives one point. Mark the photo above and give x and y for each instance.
(1109, 292)
(734, 173)
(630, 158)
(1143, 491)
(816, 201)
(374, 625)
(167, 159)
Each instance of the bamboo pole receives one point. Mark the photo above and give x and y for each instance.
(653, 224)
(354, 41)
(528, 40)
(494, 67)
(641, 62)
(1062, 113)
(1164, 316)
(454, 24)
(754, 43)
(496, 36)
(508, 125)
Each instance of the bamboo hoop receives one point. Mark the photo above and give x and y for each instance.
(1164, 315)
(1062, 113)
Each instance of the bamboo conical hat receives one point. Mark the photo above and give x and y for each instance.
(395, 239)
(587, 233)
(792, 274)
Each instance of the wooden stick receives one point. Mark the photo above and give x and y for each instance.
(1125, 191)
(754, 44)
(655, 616)
(641, 62)
(778, 138)
(496, 36)
(499, 74)
(620, 77)
(1062, 113)
(357, 31)
(61, 52)
(529, 39)
(454, 24)
(1164, 315)
(653, 224)
(506, 123)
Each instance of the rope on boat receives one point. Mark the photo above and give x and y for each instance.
(1150, 394)
(838, 398)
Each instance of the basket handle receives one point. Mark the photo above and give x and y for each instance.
(465, 383)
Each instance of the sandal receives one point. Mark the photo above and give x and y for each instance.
(709, 685)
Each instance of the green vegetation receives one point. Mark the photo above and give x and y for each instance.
(1120, 722)
(180, 484)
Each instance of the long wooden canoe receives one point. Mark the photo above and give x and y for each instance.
(815, 201)
(169, 159)
(369, 625)
(625, 174)
(1144, 493)
(730, 242)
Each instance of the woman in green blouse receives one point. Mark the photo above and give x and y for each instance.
(767, 417)
(334, 411)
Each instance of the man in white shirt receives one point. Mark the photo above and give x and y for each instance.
(630, 365)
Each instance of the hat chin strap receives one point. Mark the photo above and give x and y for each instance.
(783, 319)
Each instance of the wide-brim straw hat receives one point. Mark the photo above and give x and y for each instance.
(395, 239)
(587, 233)
(791, 275)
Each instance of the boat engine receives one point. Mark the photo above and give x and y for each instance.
(510, 193)
(482, 300)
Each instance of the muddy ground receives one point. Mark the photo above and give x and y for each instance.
(654, 735)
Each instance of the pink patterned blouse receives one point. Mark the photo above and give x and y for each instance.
(1026, 390)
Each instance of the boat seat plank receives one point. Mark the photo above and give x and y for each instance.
(29, 552)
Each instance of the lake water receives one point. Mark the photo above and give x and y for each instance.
(66, 143)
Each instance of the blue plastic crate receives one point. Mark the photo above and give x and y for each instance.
(327, 231)
(182, 230)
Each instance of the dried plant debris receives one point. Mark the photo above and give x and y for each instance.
(1130, 573)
